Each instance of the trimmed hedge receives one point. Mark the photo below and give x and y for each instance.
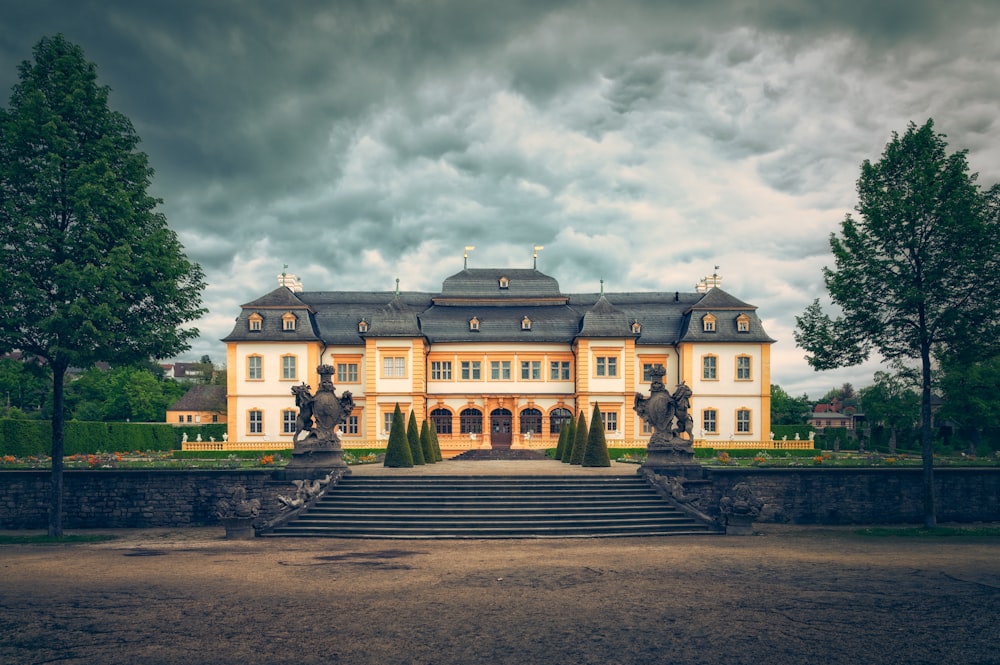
(23, 438)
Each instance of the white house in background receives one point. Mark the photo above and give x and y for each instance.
(500, 357)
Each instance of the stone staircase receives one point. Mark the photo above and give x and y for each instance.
(491, 507)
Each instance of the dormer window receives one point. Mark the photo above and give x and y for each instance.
(504, 283)
(288, 321)
(708, 323)
(525, 323)
(474, 324)
(743, 323)
(362, 326)
(636, 327)
(256, 322)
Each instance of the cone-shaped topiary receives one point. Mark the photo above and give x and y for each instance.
(413, 437)
(570, 438)
(561, 446)
(426, 445)
(436, 444)
(397, 453)
(596, 453)
(579, 440)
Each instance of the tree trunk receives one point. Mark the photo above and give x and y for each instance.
(58, 428)
(926, 439)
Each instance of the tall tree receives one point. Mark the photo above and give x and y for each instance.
(917, 272)
(89, 269)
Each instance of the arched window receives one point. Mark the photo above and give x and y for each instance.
(531, 421)
(442, 421)
(470, 421)
(558, 419)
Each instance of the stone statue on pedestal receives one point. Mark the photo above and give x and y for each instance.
(670, 418)
(318, 418)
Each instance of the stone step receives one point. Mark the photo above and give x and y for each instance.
(490, 507)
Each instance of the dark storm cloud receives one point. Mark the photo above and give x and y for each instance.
(641, 142)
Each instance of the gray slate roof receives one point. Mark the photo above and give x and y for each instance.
(202, 398)
(665, 318)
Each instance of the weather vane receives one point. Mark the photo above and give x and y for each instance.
(534, 255)
(465, 256)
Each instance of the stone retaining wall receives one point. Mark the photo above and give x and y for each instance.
(146, 499)
(131, 499)
(858, 496)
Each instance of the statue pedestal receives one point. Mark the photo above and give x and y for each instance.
(671, 456)
(739, 525)
(313, 460)
(238, 528)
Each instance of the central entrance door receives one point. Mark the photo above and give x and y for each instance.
(500, 428)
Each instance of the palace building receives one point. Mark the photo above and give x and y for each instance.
(499, 358)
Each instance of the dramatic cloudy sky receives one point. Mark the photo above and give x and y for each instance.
(640, 142)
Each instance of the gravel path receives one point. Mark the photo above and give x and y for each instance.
(787, 595)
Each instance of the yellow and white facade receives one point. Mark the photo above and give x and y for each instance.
(499, 358)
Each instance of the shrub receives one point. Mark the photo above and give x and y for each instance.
(397, 453)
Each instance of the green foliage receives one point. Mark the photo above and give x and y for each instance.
(579, 440)
(561, 445)
(971, 391)
(397, 453)
(23, 438)
(89, 270)
(916, 274)
(567, 452)
(413, 439)
(596, 452)
(892, 401)
(788, 410)
(24, 385)
(426, 445)
(436, 444)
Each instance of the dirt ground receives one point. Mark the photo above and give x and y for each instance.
(786, 595)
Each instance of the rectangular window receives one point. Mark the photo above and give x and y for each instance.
(743, 368)
(256, 422)
(709, 371)
(472, 370)
(610, 421)
(441, 370)
(393, 367)
(288, 422)
(387, 422)
(500, 370)
(255, 368)
(559, 371)
(352, 425)
(288, 372)
(709, 420)
(607, 366)
(743, 421)
(646, 369)
(347, 372)
(531, 370)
